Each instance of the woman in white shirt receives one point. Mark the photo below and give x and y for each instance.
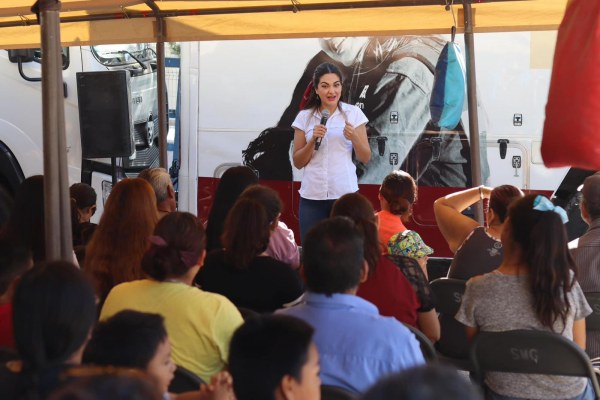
(324, 150)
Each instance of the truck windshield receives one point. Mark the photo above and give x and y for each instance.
(113, 55)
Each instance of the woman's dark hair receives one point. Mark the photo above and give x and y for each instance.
(184, 241)
(232, 184)
(542, 238)
(246, 232)
(127, 339)
(314, 101)
(501, 198)
(399, 189)
(83, 194)
(54, 309)
(264, 350)
(26, 222)
(267, 197)
(360, 210)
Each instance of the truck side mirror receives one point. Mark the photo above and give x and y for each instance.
(21, 55)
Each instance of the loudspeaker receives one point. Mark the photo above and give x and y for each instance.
(105, 121)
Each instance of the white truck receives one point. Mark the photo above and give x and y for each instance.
(231, 91)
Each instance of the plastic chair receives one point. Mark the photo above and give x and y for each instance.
(184, 381)
(426, 346)
(453, 346)
(329, 392)
(530, 352)
(592, 321)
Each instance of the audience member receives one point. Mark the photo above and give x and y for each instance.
(477, 249)
(160, 180)
(397, 194)
(115, 252)
(282, 244)
(242, 271)
(429, 382)
(84, 197)
(410, 244)
(232, 184)
(139, 340)
(199, 324)
(26, 223)
(14, 261)
(357, 346)
(387, 286)
(107, 383)
(273, 357)
(534, 288)
(586, 253)
(54, 311)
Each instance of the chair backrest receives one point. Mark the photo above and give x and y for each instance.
(453, 339)
(185, 381)
(530, 352)
(592, 321)
(329, 392)
(427, 348)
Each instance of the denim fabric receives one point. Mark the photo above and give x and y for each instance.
(311, 212)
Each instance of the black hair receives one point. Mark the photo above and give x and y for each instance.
(127, 339)
(399, 189)
(83, 194)
(591, 195)
(429, 382)
(501, 198)
(15, 259)
(246, 232)
(268, 197)
(333, 256)
(232, 184)
(54, 309)
(359, 209)
(314, 101)
(542, 239)
(263, 351)
(185, 241)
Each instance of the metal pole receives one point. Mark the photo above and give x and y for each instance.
(472, 102)
(57, 206)
(162, 98)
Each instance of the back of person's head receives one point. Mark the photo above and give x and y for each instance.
(176, 246)
(399, 190)
(360, 210)
(92, 383)
(333, 256)
(15, 259)
(539, 234)
(246, 232)
(591, 195)
(115, 251)
(268, 197)
(430, 382)
(232, 184)
(266, 349)
(83, 194)
(127, 339)
(26, 223)
(501, 198)
(160, 180)
(54, 309)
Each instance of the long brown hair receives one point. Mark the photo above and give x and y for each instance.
(115, 251)
(314, 101)
(360, 210)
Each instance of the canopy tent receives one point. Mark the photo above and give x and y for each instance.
(84, 22)
(133, 21)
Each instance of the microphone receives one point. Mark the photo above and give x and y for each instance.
(324, 116)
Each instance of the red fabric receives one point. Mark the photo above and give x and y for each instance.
(7, 338)
(572, 126)
(391, 292)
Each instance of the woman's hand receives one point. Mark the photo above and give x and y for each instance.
(349, 132)
(319, 131)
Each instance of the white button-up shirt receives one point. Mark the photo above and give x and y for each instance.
(330, 173)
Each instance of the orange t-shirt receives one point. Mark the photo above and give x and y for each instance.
(389, 225)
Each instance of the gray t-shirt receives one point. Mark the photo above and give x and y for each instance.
(497, 302)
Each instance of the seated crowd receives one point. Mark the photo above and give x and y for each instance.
(150, 294)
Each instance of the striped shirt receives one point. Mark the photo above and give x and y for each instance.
(587, 258)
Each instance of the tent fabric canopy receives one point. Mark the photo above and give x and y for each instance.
(133, 21)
